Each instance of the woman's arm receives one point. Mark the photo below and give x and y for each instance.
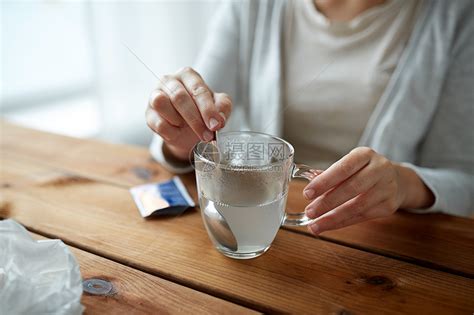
(446, 156)
(365, 185)
(416, 194)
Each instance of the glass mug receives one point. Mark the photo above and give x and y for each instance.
(242, 182)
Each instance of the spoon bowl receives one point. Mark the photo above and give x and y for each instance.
(219, 228)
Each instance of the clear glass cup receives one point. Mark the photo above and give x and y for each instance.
(242, 182)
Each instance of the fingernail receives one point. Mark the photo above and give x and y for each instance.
(213, 123)
(222, 115)
(309, 193)
(207, 135)
(314, 228)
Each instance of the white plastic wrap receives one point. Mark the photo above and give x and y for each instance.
(37, 277)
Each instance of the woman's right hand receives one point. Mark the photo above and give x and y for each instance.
(184, 110)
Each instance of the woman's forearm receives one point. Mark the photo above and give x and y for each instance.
(178, 158)
(416, 194)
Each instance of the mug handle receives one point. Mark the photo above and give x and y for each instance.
(306, 172)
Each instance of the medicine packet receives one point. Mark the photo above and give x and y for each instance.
(164, 198)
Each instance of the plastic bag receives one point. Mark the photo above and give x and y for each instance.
(37, 277)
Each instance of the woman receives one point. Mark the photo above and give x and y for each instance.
(377, 93)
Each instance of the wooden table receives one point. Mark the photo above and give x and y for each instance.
(77, 190)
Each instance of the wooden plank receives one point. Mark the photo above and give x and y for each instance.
(136, 292)
(91, 158)
(299, 274)
(429, 240)
(434, 240)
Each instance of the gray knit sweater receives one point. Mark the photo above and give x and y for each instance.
(425, 117)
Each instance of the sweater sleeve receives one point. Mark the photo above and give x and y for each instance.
(446, 156)
(453, 190)
(156, 151)
(217, 63)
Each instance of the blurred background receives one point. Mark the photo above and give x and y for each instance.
(65, 67)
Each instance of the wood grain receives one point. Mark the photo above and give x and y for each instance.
(436, 240)
(136, 292)
(299, 274)
(92, 158)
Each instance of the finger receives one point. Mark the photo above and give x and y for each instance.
(358, 183)
(202, 97)
(167, 131)
(224, 105)
(376, 194)
(160, 102)
(316, 172)
(353, 211)
(339, 172)
(184, 105)
(377, 211)
(152, 118)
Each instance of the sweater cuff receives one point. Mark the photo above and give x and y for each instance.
(156, 151)
(453, 190)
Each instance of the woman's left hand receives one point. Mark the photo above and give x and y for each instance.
(363, 185)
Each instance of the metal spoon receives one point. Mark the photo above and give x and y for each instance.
(219, 228)
(215, 222)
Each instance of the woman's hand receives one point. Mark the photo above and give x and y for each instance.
(184, 110)
(363, 185)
